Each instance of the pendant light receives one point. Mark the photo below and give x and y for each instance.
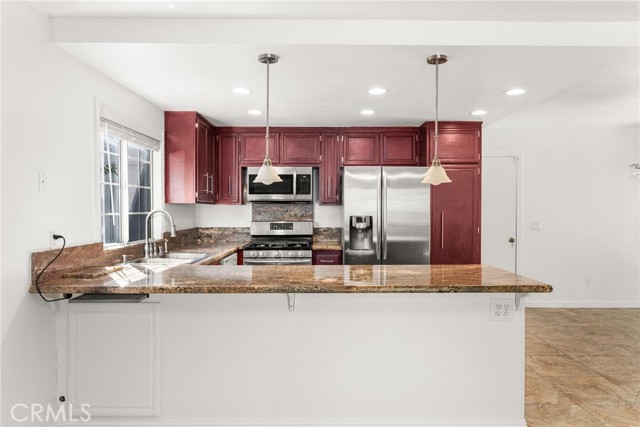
(436, 174)
(267, 174)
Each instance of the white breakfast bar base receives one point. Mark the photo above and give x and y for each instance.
(336, 360)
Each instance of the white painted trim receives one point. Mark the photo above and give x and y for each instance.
(520, 239)
(582, 304)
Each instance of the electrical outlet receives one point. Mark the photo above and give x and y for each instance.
(587, 281)
(502, 310)
(52, 242)
(536, 226)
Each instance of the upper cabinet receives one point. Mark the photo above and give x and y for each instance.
(459, 142)
(360, 148)
(300, 148)
(189, 158)
(330, 170)
(380, 146)
(252, 148)
(229, 177)
(399, 148)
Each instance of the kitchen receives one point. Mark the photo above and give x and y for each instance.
(559, 147)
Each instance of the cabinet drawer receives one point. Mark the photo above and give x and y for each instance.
(327, 257)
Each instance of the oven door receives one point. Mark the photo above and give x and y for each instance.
(276, 261)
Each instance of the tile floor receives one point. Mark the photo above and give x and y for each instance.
(582, 367)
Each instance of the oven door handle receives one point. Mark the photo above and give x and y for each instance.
(276, 261)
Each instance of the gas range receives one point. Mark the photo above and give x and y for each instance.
(279, 243)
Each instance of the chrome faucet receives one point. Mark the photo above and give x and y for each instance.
(149, 244)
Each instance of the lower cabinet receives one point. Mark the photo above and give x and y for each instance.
(327, 257)
(113, 353)
(455, 217)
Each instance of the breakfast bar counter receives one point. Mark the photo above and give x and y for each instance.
(203, 279)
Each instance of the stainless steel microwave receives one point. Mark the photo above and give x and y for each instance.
(296, 186)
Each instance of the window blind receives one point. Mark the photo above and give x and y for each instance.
(130, 135)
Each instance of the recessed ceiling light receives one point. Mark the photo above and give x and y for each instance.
(254, 112)
(478, 113)
(514, 92)
(367, 112)
(377, 91)
(241, 90)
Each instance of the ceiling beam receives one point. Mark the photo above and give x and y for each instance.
(345, 32)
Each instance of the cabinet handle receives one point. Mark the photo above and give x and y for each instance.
(211, 177)
(229, 185)
(442, 230)
(329, 187)
(327, 261)
(206, 179)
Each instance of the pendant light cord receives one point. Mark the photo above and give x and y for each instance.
(267, 133)
(436, 133)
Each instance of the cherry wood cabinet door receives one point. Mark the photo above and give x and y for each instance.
(205, 192)
(252, 148)
(300, 148)
(229, 185)
(459, 142)
(360, 148)
(455, 217)
(330, 170)
(180, 157)
(399, 148)
(327, 257)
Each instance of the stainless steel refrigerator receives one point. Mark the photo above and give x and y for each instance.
(386, 215)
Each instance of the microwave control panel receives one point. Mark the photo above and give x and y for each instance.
(303, 184)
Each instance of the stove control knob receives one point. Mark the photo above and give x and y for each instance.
(261, 253)
(299, 253)
(252, 253)
(291, 253)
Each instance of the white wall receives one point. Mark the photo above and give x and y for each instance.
(575, 182)
(48, 123)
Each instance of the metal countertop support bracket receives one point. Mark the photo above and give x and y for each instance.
(291, 298)
(519, 296)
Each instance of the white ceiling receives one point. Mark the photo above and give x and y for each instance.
(325, 84)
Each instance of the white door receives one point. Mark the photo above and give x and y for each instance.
(499, 211)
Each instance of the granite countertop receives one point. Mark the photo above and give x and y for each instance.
(326, 245)
(301, 279)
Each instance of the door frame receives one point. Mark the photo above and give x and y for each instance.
(519, 161)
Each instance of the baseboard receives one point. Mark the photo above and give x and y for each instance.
(581, 304)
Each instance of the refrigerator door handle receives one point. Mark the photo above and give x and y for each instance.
(379, 224)
(384, 217)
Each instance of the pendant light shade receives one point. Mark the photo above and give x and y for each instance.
(436, 174)
(267, 174)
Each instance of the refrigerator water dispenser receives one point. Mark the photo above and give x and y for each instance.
(361, 233)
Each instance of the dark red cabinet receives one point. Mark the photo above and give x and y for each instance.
(360, 148)
(300, 148)
(455, 217)
(252, 148)
(189, 158)
(399, 148)
(330, 184)
(229, 185)
(327, 257)
(459, 142)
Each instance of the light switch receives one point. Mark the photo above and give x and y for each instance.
(536, 226)
(42, 181)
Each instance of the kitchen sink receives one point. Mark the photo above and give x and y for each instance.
(193, 256)
(172, 259)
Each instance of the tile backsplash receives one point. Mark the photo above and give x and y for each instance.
(265, 212)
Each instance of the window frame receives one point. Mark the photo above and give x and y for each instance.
(124, 185)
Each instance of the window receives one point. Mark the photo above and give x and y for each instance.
(127, 182)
